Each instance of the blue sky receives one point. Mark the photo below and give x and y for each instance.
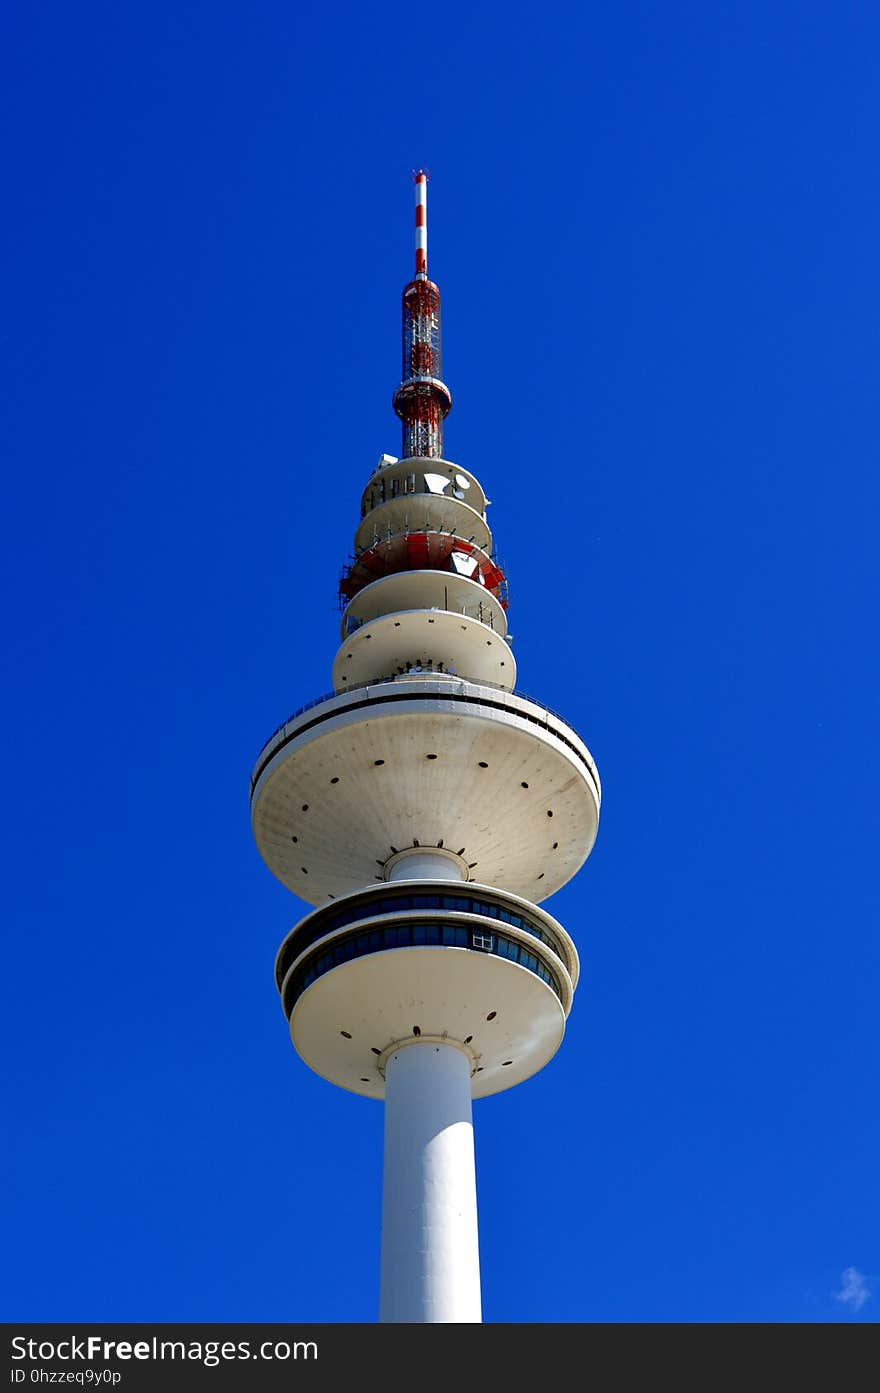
(656, 231)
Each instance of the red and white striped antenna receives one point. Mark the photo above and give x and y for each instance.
(422, 400)
(420, 179)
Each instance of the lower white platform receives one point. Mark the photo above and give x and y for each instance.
(345, 1025)
(435, 639)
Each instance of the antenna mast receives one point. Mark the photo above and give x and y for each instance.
(422, 401)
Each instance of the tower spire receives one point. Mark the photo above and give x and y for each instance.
(420, 179)
(422, 401)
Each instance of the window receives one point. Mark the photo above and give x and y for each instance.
(389, 901)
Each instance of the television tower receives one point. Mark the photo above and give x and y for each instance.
(425, 808)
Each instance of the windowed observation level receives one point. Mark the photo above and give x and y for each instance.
(412, 933)
(437, 900)
(409, 928)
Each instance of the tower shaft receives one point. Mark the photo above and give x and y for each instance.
(430, 1251)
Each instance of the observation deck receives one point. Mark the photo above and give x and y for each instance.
(459, 964)
(424, 761)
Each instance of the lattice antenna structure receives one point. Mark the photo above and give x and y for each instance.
(422, 401)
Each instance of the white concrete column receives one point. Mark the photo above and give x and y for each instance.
(425, 863)
(430, 1247)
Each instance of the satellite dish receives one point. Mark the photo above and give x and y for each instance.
(462, 482)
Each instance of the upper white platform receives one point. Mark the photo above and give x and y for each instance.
(420, 512)
(424, 590)
(493, 775)
(414, 477)
(434, 639)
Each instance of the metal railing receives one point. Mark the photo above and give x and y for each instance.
(478, 612)
(424, 676)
